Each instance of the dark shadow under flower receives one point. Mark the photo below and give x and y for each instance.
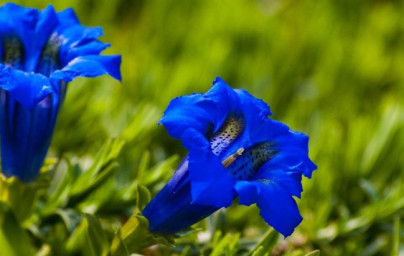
(40, 52)
(235, 150)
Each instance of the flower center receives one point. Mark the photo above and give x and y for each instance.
(13, 51)
(230, 130)
(244, 166)
(50, 60)
(13, 54)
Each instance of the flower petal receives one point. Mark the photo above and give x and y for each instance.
(292, 149)
(90, 66)
(187, 112)
(207, 112)
(290, 181)
(172, 210)
(93, 48)
(35, 46)
(277, 206)
(202, 112)
(26, 88)
(235, 149)
(25, 136)
(289, 161)
(68, 17)
(75, 36)
(46, 22)
(19, 21)
(247, 192)
(211, 184)
(29, 25)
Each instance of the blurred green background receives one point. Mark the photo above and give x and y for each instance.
(331, 69)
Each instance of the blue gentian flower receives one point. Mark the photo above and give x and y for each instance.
(40, 52)
(235, 150)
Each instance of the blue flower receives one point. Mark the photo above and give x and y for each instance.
(40, 52)
(235, 150)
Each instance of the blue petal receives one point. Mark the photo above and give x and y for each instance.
(255, 114)
(46, 22)
(247, 192)
(187, 112)
(30, 26)
(74, 36)
(93, 48)
(290, 161)
(259, 129)
(290, 181)
(206, 112)
(253, 106)
(292, 146)
(293, 139)
(215, 125)
(18, 20)
(35, 47)
(77, 47)
(268, 130)
(68, 17)
(90, 66)
(26, 88)
(25, 136)
(277, 206)
(172, 210)
(202, 112)
(211, 184)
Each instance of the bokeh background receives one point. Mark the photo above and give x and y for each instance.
(331, 69)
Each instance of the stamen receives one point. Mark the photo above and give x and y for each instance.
(229, 160)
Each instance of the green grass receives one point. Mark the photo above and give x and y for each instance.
(331, 69)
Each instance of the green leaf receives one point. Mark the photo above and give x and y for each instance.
(89, 238)
(21, 197)
(96, 241)
(158, 173)
(228, 245)
(259, 251)
(143, 122)
(396, 237)
(266, 244)
(58, 191)
(70, 217)
(135, 235)
(45, 250)
(98, 173)
(313, 253)
(144, 163)
(186, 251)
(143, 197)
(13, 240)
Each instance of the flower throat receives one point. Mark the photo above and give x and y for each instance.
(243, 163)
(14, 54)
(13, 51)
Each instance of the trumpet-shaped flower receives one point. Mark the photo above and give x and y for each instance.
(40, 52)
(235, 150)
